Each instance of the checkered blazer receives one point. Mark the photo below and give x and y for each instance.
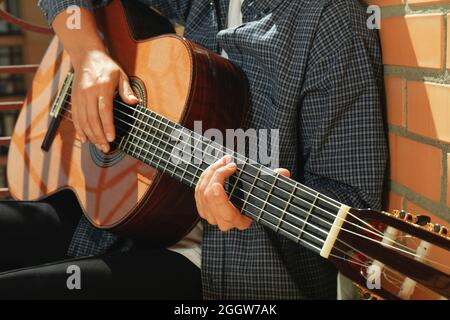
(315, 73)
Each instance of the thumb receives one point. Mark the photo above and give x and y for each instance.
(283, 172)
(125, 90)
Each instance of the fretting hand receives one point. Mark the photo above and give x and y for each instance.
(212, 201)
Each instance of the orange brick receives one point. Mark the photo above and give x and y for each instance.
(383, 3)
(414, 40)
(448, 179)
(395, 101)
(416, 209)
(448, 42)
(429, 110)
(394, 202)
(427, 1)
(415, 165)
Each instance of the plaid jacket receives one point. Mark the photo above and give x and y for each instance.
(315, 73)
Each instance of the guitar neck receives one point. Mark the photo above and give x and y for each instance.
(277, 202)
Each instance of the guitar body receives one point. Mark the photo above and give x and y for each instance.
(176, 78)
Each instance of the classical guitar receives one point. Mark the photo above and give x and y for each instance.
(137, 189)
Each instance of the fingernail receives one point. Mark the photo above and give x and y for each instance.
(105, 148)
(132, 97)
(231, 165)
(83, 139)
(227, 159)
(110, 137)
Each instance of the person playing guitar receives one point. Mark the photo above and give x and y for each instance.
(314, 72)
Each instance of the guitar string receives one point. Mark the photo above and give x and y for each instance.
(361, 263)
(311, 191)
(323, 198)
(378, 233)
(370, 239)
(333, 255)
(303, 241)
(358, 226)
(303, 221)
(293, 205)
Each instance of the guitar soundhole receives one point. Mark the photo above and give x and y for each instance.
(115, 155)
(105, 160)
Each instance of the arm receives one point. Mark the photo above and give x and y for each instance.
(96, 75)
(345, 150)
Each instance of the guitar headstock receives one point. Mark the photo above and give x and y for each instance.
(396, 255)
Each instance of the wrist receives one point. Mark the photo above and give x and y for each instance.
(81, 54)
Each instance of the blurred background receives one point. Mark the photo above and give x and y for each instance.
(17, 47)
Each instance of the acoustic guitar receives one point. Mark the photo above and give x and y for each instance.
(137, 189)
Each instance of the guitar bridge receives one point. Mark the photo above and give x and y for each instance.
(56, 112)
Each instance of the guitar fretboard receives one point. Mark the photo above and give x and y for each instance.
(277, 202)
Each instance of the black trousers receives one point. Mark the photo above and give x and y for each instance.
(34, 237)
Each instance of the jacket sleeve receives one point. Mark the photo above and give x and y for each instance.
(345, 150)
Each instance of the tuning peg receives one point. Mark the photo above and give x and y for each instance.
(442, 230)
(403, 215)
(422, 220)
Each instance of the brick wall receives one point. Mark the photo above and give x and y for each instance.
(415, 39)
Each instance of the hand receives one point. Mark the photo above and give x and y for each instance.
(212, 201)
(96, 77)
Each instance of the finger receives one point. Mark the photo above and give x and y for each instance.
(96, 125)
(201, 210)
(105, 110)
(210, 218)
(75, 119)
(227, 214)
(125, 90)
(204, 179)
(283, 172)
(84, 123)
(224, 226)
(223, 173)
(210, 171)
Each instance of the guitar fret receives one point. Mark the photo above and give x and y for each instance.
(283, 214)
(166, 151)
(133, 134)
(164, 148)
(250, 191)
(267, 199)
(307, 217)
(148, 150)
(197, 168)
(237, 178)
(142, 131)
(152, 143)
